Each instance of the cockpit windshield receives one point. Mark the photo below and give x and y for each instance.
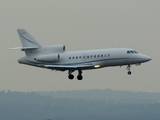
(131, 52)
(135, 51)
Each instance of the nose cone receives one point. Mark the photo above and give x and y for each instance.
(145, 58)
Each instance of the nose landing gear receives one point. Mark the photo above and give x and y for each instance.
(129, 69)
(129, 72)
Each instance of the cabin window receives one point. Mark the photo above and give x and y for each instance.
(95, 56)
(79, 57)
(101, 55)
(72, 57)
(91, 56)
(76, 57)
(87, 56)
(69, 57)
(132, 52)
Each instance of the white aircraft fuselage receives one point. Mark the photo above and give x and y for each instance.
(55, 58)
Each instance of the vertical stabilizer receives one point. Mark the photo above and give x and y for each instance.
(30, 45)
(26, 39)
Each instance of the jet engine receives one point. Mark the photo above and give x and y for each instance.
(48, 58)
(54, 49)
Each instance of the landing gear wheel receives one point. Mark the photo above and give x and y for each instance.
(70, 76)
(79, 77)
(129, 72)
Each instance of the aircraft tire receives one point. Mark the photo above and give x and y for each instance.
(79, 77)
(129, 73)
(70, 76)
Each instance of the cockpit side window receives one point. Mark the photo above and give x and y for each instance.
(128, 52)
(131, 51)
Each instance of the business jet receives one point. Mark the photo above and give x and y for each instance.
(55, 58)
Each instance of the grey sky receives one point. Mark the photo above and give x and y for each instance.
(81, 24)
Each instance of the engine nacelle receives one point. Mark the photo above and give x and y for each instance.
(54, 49)
(48, 58)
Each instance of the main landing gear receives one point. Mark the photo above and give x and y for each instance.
(129, 69)
(71, 76)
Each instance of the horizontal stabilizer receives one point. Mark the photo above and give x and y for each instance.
(24, 48)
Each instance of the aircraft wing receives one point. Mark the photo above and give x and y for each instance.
(66, 67)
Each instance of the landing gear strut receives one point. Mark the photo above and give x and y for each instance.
(128, 68)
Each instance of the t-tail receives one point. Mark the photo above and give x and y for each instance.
(26, 39)
(28, 42)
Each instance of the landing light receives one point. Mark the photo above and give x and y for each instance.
(137, 64)
(97, 66)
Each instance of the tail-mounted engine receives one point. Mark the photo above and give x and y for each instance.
(48, 58)
(53, 49)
